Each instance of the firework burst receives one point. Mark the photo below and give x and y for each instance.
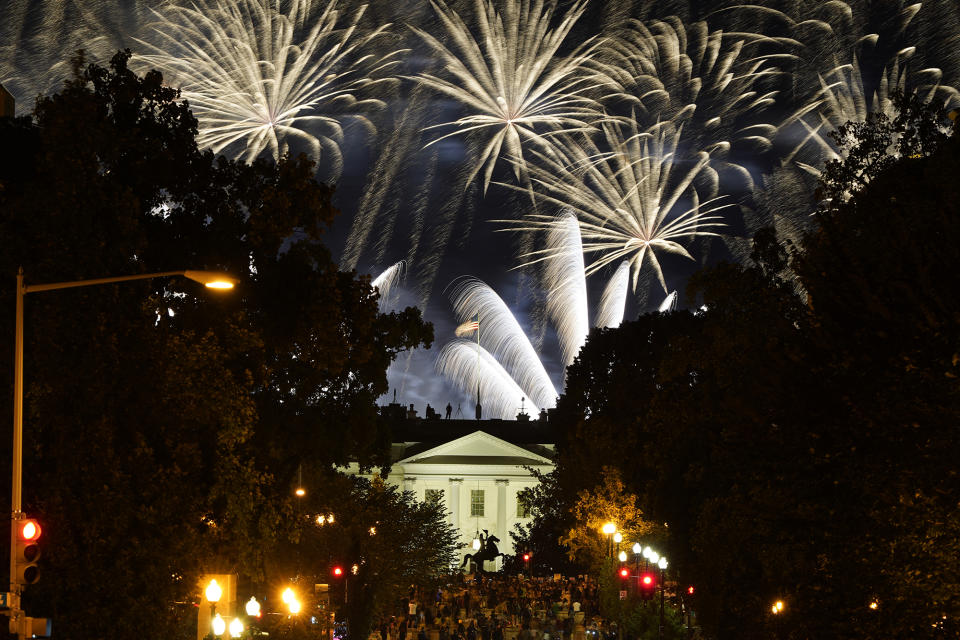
(258, 73)
(510, 77)
(472, 367)
(613, 302)
(385, 282)
(626, 200)
(567, 293)
(709, 82)
(842, 98)
(501, 336)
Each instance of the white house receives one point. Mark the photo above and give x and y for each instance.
(477, 476)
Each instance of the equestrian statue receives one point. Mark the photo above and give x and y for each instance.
(487, 551)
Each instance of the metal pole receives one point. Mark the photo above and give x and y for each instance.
(15, 486)
(663, 577)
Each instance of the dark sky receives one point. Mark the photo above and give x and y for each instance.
(443, 227)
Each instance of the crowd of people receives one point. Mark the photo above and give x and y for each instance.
(496, 607)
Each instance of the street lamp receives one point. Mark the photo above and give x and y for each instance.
(622, 556)
(236, 628)
(210, 279)
(212, 594)
(662, 563)
(219, 625)
(608, 530)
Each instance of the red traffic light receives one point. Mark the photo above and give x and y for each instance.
(526, 557)
(338, 571)
(29, 530)
(624, 573)
(648, 585)
(690, 589)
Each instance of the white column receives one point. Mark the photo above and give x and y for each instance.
(453, 502)
(502, 532)
(408, 482)
(502, 516)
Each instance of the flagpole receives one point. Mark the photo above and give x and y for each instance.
(478, 364)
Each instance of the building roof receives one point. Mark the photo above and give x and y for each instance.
(413, 435)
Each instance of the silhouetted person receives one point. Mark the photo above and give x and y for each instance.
(449, 410)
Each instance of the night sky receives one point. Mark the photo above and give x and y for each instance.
(428, 214)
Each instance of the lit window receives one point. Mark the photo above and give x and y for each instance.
(523, 507)
(476, 502)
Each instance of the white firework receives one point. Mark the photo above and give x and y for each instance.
(471, 367)
(386, 281)
(567, 287)
(510, 77)
(613, 302)
(502, 336)
(843, 98)
(711, 82)
(261, 73)
(626, 199)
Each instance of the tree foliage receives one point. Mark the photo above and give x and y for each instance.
(393, 540)
(608, 501)
(163, 423)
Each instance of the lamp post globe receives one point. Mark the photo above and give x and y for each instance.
(213, 592)
(219, 625)
(236, 628)
(252, 607)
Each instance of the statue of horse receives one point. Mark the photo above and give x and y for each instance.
(488, 551)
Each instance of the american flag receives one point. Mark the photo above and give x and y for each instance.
(468, 327)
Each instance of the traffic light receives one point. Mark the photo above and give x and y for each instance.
(526, 558)
(690, 590)
(337, 571)
(28, 551)
(624, 573)
(648, 586)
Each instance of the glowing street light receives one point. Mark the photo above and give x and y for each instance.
(252, 607)
(213, 592)
(777, 607)
(609, 528)
(236, 628)
(288, 596)
(219, 625)
(622, 556)
(636, 548)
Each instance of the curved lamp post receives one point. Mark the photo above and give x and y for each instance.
(210, 279)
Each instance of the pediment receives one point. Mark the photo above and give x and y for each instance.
(477, 448)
